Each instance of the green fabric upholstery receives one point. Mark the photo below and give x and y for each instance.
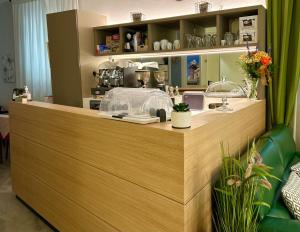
(284, 138)
(278, 206)
(278, 150)
(271, 224)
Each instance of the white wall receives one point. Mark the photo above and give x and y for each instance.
(6, 48)
(213, 69)
(230, 68)
(118, 11)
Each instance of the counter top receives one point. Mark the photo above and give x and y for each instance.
(198, 120)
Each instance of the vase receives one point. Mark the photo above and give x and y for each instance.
(252, 84)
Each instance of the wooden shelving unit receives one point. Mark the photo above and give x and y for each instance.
(176, 28)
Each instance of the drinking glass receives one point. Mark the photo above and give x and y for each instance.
(229, 38)
(198, 42)
(213, 40)
(189, 40)
(207, 39)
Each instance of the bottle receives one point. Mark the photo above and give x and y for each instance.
(177, 91)
(14, 95)
(27, 93)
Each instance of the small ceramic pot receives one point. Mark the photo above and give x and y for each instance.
(156, 46)
(164, 44)
(236, 42)
(169, 46)
(176, 44)
(181, 120)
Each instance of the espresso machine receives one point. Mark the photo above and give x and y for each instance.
(152, 78)
(109, 76)
(149, 75)
(131, 75)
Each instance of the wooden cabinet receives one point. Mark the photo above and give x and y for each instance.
(71, 51)
(83, 173)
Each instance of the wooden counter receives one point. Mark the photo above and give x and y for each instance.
(85, 173)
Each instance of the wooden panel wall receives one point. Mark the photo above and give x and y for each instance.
(64, 58)
(71, 50)
(202, 155)
(123, 204)
(119, 176)
(121, 149)
(88, 61)
(66, 215)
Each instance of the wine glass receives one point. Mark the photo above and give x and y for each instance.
(189, 40)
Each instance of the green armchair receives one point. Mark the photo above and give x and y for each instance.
(278, 150)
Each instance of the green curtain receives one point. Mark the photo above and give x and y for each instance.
(283, 20)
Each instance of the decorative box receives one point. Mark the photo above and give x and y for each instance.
(108, 41)
(142, 48)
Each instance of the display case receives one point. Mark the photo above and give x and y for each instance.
(141, 104)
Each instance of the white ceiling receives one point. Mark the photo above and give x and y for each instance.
(118, 11)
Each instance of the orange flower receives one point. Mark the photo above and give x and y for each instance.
(265, 60)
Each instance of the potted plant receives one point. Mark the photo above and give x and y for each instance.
(237, 193)
(258, 67)
(181, 116)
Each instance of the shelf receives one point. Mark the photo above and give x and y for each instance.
(158, 31)
(142, 28)
(100, 35)
(199, 25)
(176, 28)
(181, 52)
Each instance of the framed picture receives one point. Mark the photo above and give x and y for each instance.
(193, 70)
(8, 69)
(248, 36)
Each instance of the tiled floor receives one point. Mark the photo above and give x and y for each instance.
(14, 216)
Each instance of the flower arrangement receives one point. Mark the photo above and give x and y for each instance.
(237, 192)
(258, 66)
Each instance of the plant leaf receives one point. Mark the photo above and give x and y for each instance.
(261, 203)
(223, 191)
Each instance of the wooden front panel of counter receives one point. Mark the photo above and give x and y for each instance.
(119, 176)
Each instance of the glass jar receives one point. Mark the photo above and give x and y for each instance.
(228, 37)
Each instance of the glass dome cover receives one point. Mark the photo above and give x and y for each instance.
(225, 89)
(135, 101)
